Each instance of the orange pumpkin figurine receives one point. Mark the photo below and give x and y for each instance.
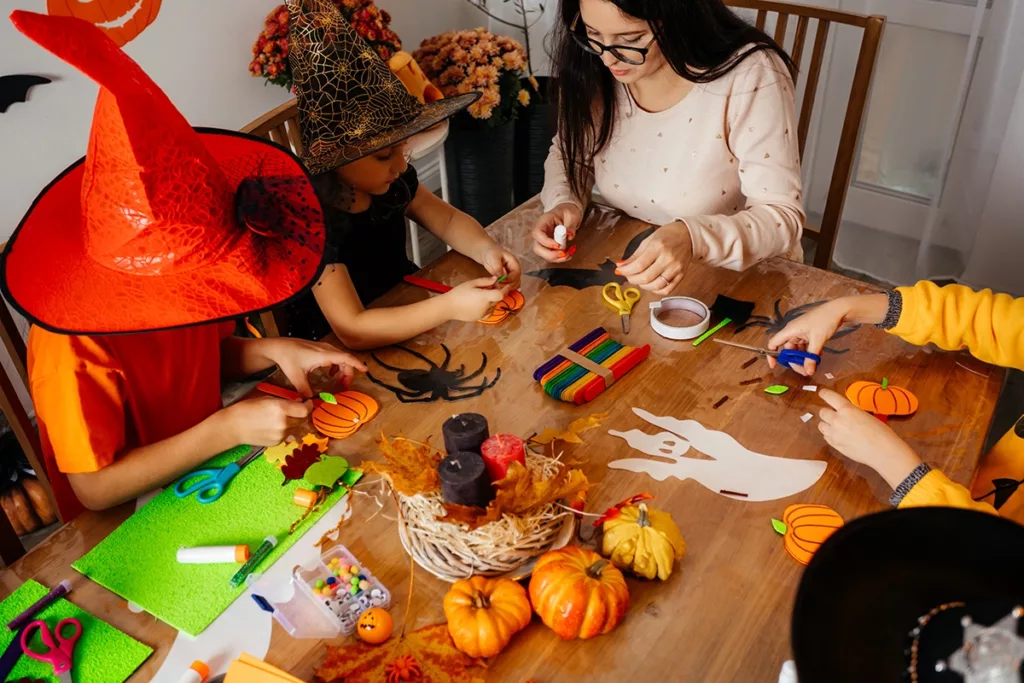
(577, 593)
(807, 527)
(121, 20)
(375, 626)
(513, 302)
(882, 400)
(342, 419)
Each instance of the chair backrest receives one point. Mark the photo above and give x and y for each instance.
(873, 27)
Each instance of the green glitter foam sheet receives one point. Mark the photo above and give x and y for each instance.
(102, 654)
(138, 560)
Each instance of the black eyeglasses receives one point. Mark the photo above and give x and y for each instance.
(630, 55)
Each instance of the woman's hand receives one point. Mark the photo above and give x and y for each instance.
(499, 262)
(863, 438)
(474, 300)
(544, 244)
(296, 358)
(661, 262)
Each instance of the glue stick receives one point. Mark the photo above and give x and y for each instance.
(214, 554)
(197, 673)
(561, 235)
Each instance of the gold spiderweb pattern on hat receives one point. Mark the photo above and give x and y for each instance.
(348, 98)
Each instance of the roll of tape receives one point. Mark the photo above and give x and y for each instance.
(680, 303)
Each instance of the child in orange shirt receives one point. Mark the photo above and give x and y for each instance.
(130, 266)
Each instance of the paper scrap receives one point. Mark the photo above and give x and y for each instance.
(776, 389)
(810, 387)
(829, 375)
(806, 417)
(779, 526)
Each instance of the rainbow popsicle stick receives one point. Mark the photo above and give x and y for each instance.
(563, 379)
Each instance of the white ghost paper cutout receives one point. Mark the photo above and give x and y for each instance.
(734, 468)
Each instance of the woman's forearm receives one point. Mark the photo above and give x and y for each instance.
(144, 469)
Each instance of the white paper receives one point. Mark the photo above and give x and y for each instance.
(829, 375)
(810, 387)
(243, 627)
(733, 468)
(806, 417)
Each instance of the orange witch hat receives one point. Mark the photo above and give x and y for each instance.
(161, 225)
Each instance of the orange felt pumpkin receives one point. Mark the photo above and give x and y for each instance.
(121, 20)
(483, 614)
(342, 419)
(577, 593)
(882, 399)
(513, 301)
(807, 527)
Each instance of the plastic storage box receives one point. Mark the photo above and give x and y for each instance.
(305, 614)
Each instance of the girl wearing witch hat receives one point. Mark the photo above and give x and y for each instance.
(131, 265)
(356, 118)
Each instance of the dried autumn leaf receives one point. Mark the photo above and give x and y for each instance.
(410, 467)
(572, 433)
(296, 464)
(470, 515)
(430, 648)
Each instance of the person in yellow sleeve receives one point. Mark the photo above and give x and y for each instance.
(990, 326)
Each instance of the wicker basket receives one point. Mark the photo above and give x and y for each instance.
(505, 548)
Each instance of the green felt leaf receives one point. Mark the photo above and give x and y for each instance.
(776, 389)
(779, 526)
(326, 472)
(351, 477)
(102, 655)
(138, 559)
(328, 398)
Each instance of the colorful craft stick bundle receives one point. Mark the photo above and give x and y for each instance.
(567, 381)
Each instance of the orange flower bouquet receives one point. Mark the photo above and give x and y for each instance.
(270, 51)
(462, 61)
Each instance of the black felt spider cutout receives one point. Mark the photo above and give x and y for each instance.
(437, 382)
(774, 325)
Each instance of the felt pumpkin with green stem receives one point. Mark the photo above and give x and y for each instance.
(882, 400)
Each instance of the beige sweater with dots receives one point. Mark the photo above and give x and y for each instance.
(724, 160)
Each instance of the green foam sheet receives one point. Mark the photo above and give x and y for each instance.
(102, 654)
(138, 560)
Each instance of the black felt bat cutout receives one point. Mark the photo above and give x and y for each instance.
(15, 88)
(581, 278)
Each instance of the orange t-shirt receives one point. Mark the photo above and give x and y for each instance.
(98, 396)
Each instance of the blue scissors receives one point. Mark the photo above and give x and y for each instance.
(786, 357)
(211, 483)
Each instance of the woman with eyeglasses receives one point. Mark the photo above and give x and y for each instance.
(684, 115)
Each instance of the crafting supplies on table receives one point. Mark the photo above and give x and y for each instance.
(209, 484)
(621, 300)
(325, 599)
(58, 645)
(588, 366)
(786, 357)
(701, 317)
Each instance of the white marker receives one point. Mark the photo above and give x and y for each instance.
(214, 554)
(562, 236)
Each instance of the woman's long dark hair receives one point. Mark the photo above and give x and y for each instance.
(701, 39)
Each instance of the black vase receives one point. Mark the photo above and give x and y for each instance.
(480, 168)
(535, 129)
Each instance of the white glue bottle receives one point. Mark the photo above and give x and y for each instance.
(197, 673)
(561, 236)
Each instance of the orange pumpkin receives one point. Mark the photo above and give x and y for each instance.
(121, 20)
(512, 302)
(577, 593)
(882, 399)
(807, 527)
(342, 419)
(483, 614)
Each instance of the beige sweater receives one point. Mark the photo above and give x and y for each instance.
(724, 160)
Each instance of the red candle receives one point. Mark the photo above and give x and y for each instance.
(500, 451)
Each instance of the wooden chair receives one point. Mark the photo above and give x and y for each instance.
(872, 26)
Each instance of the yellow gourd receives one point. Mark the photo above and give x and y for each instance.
(644, 541)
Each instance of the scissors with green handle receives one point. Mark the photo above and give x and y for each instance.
(621, 300)
(209, 484)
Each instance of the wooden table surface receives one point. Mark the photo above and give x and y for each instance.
(724, 616)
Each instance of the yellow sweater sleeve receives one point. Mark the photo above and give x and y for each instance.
(936, 490)
(990, 326)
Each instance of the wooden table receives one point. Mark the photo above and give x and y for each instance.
(725, 615)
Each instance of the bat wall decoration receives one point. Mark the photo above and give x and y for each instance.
(581, 278)
(15, 88)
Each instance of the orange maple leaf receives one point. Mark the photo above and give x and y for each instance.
(431, 647)
(572, 432)
(410, 467)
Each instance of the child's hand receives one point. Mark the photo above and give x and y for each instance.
(544, 244)
(265, 421)
(475, 299)
(810, 332)
(499, 262)
(863, 438)
(297, 358)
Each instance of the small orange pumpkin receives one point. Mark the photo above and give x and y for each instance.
(807, 527)
(121, 20)
(513, 301)
(483, 614)
(342, 419)
(577, 593)
(882, 399)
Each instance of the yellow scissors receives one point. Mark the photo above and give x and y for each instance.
(621, 300)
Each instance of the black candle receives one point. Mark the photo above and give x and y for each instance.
(464, 433)
(464, 480)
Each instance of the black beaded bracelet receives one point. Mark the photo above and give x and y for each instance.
(910, 482)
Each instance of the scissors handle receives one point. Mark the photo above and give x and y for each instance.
(789, 357)
(209, 484)
(59, 647)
